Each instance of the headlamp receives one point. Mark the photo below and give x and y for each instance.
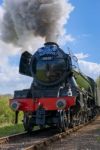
(61, 104)
(15, 106)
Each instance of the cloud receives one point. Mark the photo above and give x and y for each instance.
(1, 12)
(10, 79)
(66, 38)
(89, 68)
(81, 55)
(24, 20)
(69, 38)
(13, 81)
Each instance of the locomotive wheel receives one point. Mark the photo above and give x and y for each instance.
(86, 117)
(73, 122)
(77, 119)
(63, 121)
(80, 118)
(27, 122)
(83, 117)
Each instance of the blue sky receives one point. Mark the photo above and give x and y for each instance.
(83, 28)
(84, 25)
(0, 1)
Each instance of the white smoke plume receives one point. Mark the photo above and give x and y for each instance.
(26, 21)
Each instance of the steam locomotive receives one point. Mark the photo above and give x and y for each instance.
(60, 95)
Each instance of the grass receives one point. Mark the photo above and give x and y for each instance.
(11, 129)
(7, 118)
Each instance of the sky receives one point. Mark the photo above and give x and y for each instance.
(84, 25)
(82, 37)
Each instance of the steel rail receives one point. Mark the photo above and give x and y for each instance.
(41, 144)
(45, 143)
(6, 139)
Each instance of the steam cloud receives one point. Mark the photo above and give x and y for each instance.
(27, 20)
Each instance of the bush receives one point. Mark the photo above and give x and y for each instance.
(7, 116)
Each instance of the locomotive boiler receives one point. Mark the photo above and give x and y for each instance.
(60, 95)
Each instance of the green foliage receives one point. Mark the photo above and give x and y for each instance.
(11, 129)
(7, 116)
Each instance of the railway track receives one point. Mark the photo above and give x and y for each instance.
(23, 140)
(38, 140)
